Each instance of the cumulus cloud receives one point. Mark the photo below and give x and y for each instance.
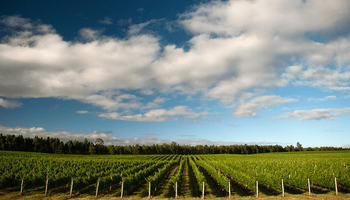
(250, 109)
(10, 103)
(26, 24)
(89, 34)
(44, 65)
(238, 49)
(240, 46)
(316, 114)
(156, 102)
(157, 115)
(319, 76)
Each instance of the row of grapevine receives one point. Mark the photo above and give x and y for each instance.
(159, 176)
(35, 172)
(295, 172)
(198, 174)
(139, 176)
(177, 177)
(237, 175)
(221, 179)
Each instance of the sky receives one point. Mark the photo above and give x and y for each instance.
(131, 72)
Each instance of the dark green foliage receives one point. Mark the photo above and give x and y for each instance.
(54, 145)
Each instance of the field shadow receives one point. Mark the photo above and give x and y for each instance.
(269, 191)
(166, 188)
(211, 186)
(293, 190)
(239, 189)
(319, 190)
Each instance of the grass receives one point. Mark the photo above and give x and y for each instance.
(62, 196)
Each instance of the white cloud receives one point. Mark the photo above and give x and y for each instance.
(111, 140)
(322, 77)
(157, 115)
(331, 97)
(136, 28)
(156, 102)
(17, 21)
(234, 125)
(113, 102)
(344, 145)
(266, 17)
(250, 109)
(26, 24)
(10, 103)
(239, 49)
(251, 45)
(160, 100)
(89, 34)
(323, 99)
(82, 112)
(316, 114)
(35, 65)
(106, 20)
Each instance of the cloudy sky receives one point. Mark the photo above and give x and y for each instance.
(189, 71)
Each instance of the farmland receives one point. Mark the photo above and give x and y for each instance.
(304, 175)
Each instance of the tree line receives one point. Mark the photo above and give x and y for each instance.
(55, 146)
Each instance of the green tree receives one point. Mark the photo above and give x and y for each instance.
(299, 147)
(99, 141)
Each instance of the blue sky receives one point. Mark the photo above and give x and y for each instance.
(193, 72)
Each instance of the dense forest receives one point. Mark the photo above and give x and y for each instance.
(54, 145)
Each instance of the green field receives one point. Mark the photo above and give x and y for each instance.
(223, 175)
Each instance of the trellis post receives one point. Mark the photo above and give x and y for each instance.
(229, 189)
(203, 191)
(121, 193)
(257, 189)
(98, 183)
(47, 183)
(22, 187)
(71, 188)
(336, 186)
(176, 191)
(149, 190)
(282, 188)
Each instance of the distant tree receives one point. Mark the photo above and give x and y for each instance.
(299, 147)
(92, 149)
(99, 141)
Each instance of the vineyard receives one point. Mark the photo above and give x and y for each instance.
(175, 176)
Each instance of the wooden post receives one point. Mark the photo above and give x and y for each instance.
(257, 189)
(121, 194)
(71, 188)
(308, 183)
(149, 190)
(98, 183)
(176, 191)
(47, 183)
(282, 188)
(336, 186)
(229, 189)
(110, 187)
(22, 187)
(203, 191)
